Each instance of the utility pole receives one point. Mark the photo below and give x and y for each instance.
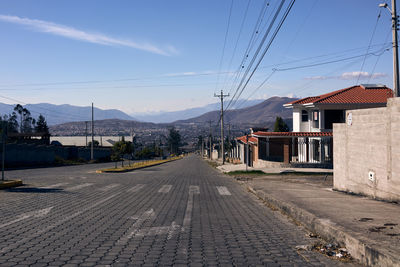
(86, 132)
(91, 147)
(393, 12)
(202, 147)
(210, 137)
(229, 139)
(221, 97)
(4, 139)
(247, 151)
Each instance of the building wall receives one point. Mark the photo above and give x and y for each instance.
(370, 145)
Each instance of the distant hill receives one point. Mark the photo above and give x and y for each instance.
(57, 114)
(263, 112)
(167, 117)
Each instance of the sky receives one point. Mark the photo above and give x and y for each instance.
(157, 55)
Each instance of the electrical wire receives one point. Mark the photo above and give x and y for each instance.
(237, 40)
(223, 49)
(369, 44)
(256, 54)
(268, 45)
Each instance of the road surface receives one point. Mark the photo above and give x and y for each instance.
(180, 213)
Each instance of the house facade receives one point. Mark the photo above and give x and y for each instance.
(311, 142)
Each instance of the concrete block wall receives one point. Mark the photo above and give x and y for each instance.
(369, 146)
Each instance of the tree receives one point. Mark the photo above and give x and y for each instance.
(280, 125)
(95, 143)
(119, 149)
(26, 120)
(41, 125)
(174, 140)
(12, 122)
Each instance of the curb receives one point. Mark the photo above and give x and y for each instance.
(133, 169)
(367, 254)
(10, 183)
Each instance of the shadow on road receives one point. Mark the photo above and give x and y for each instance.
(35, 190)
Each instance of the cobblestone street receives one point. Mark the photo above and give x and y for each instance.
(180, 213)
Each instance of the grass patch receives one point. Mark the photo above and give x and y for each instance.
(252, 172)
(213, 163)
(139, 165)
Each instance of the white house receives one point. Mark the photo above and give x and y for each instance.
(318, 113)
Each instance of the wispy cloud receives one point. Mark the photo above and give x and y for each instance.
(349, 76)
(201, 73)
(72, 33)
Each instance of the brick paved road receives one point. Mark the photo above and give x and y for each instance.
(180, 213)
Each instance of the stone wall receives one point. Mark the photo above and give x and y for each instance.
(366, 152)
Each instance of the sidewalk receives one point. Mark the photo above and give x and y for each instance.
(228, 167)
(369, 229)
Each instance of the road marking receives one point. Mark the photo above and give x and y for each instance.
(80, 186)
(223, 191)
(24, 216)
(135, 228)
(54, 225)
(193, 189)
(108, 187)
(83, 177)
(165, 188)
(136, 188)
(53, 186)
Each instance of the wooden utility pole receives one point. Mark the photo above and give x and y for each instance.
(221, 97)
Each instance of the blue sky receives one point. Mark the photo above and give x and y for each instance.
(143, 56)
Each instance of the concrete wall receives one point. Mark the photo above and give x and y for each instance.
(367, 152)
(31, 154)
(106, 141)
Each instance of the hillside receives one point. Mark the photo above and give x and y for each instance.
(264, 112)
(171, 116)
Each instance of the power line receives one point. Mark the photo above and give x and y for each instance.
(223, 49)
(256, 53)
(269, 43)
(52, 111)
(238, 38)
(369, 44)
(377, 53)
(246, 54)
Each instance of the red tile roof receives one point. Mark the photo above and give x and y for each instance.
(251, 139)
(293, 134)
(358, 94)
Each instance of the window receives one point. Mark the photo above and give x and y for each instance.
(304, 115)
(315, 119)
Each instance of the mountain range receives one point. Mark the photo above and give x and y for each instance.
(264, 112)
(57, 114)
(171, 116)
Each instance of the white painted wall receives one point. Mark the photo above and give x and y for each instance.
(296, 120)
